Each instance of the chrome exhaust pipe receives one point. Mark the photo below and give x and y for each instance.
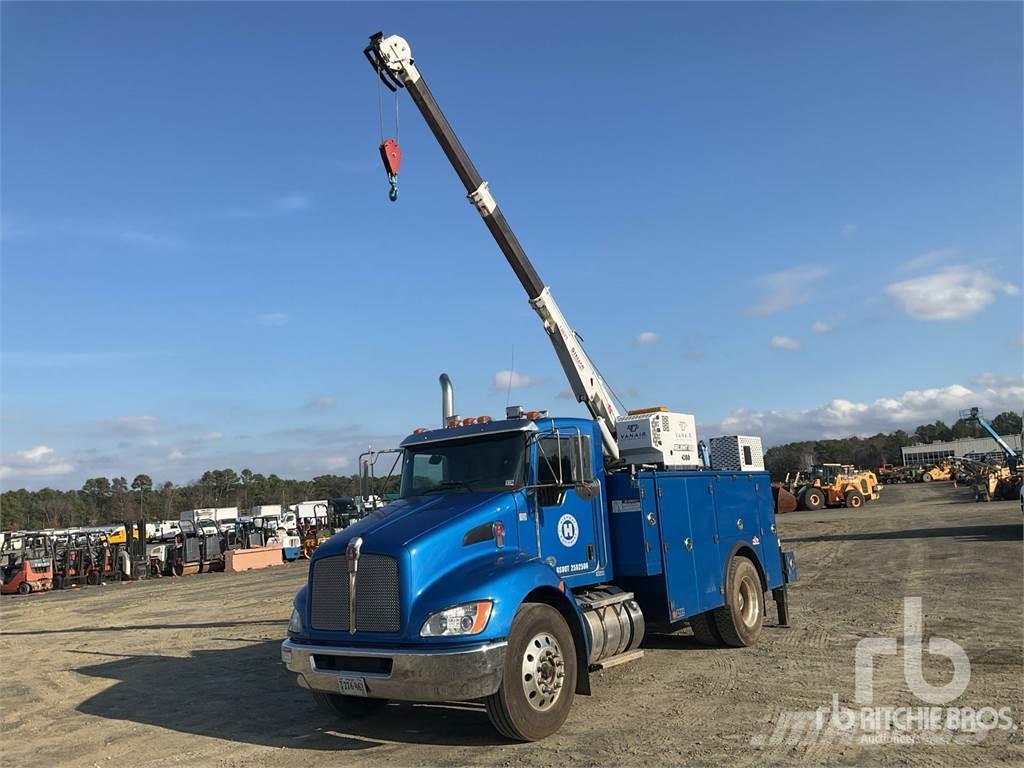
(447, 399)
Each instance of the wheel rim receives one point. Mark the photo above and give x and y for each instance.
(748, 602)
(543, 671)
(855, 502)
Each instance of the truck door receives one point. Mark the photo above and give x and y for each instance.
(568, 525)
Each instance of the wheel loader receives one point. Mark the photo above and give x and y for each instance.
(837, 485)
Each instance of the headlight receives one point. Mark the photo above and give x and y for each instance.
(465, 619)
(295, 623)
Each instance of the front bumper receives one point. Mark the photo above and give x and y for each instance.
(403, 674)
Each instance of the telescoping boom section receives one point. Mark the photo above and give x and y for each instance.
(392, 58)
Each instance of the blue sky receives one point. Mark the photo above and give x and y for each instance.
(791, 219)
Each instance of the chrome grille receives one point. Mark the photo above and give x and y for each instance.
(378, 607)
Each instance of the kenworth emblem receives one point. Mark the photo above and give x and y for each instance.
(352, 556)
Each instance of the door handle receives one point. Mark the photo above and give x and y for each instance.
(688, 543)
(739, 524)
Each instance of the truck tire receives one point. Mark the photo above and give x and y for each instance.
(814, 498)
(854, 499)
(348, 707)
(539, 677)
(24, 588)
(705, 630)
(739, 621)
(926, 477)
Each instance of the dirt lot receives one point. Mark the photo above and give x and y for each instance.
(187, 671)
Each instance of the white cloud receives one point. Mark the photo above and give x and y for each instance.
(694, 356)
(512, 380)
(842, 418)
(175, 455)
(566, 394)
(849, 230)
(949, 294)
(785, 342)
(273, 319)
(819, 326)
(927, 259)
(132, 426)
(785, 289)
(647, 337)
(293, 202)
(209, 437)
(35, 454)
(1017, 341)
(321, 403)
(40, 461)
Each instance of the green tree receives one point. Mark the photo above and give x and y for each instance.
(1007, 423)
(142, 484)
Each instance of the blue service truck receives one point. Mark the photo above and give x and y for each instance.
(526, 553)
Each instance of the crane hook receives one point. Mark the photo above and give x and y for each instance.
(392, 157)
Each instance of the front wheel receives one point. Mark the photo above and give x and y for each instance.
(926, 477)
(814, 498)
(539, 676)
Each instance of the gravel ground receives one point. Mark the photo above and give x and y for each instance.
(186, 671)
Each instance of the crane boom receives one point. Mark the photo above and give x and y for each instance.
(392, 58)
(974, 414)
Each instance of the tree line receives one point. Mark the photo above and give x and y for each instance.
(871, 452)
(104, 500)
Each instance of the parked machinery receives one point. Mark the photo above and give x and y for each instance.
(27, 567)
(836, 485)
(941, 471)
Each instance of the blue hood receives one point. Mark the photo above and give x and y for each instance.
(427, 536)
(401, 523)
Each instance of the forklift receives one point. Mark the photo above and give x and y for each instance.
(28, 568)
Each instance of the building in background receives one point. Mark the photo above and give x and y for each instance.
(980, 448)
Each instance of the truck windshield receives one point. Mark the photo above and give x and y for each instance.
(470, 465)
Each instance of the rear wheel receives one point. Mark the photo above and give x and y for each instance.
(854, 499)
(926, 477)
(814, 498)
(705, 630)
(539, 676)
(348, 707)
(739, 621)
(92, 578)
(24, 588)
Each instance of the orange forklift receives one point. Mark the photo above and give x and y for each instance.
(28, 568)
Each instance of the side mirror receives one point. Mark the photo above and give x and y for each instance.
(588, 489)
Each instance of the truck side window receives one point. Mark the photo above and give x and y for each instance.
(559, 465)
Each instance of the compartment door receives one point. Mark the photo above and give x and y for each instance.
(677, 548)
(707, 558)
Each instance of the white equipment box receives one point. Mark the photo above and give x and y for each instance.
(737, 453)
(658, 437)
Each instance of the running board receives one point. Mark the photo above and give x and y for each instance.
(614, 661)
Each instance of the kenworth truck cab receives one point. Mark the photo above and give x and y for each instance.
(528, 552)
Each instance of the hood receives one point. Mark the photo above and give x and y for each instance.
(402, 522)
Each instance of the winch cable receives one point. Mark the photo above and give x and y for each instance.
(390, 153)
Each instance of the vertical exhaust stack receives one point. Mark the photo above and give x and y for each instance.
(447, 399)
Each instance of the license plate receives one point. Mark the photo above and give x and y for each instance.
(352, 686)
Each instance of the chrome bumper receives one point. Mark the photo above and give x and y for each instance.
(437, 675)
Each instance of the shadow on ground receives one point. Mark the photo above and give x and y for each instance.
(962, 532)
(246, 695)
